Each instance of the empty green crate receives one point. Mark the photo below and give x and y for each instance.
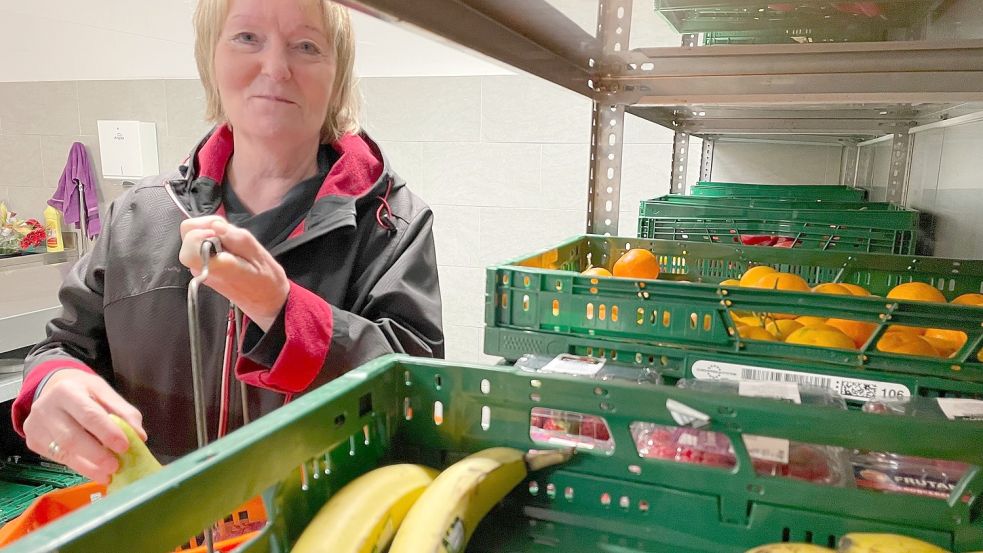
(884, 230)
(773, 203)
(541, 304)
(47, 474)
(617, 501)
(16, 497)
(789, 191)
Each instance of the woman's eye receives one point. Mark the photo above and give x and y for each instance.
(308, 48)
(245, 37)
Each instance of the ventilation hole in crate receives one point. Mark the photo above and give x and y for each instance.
(327, 465)
(624, 502)
(831, 542)
(533, 487)
(536, 383)
(406, 378)
(643, 506)
(614, 313)
(654, 317)
(785, 534)
(666, 319)
(485, 386)
(651, 359)
(568, 493)
(351, 448)
(407, 409)
(485, 417)
(634, 469)
(605, 406)
(438, 413)
(598, 391)
(535, 397)
(707, 323)
(525, 302)
(559, 285)
(556, 308)
(339, 420)
(614, 355)
(808, 536)
(602, 312)
(693, 321)
(590, 351)
(365, 434)
(605, 499)
(525, 281)
(505, 300)
(640, 316)
(600, 352)
(590, 311)
(364, 405)
(551, 490)
(638, 358)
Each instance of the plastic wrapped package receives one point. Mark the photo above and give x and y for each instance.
(770, 456)
(568, 428)
(590, 367)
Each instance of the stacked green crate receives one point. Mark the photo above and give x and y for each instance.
(400, 409)
(683, 324)
(826, 225)
(785, 191)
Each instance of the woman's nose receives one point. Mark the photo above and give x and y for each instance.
(276, 63)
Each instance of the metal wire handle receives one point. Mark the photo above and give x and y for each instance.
(209, 248)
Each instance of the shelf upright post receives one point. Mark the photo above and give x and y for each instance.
(897, 180)
(706, 159)
(607, 120)
(850, 164)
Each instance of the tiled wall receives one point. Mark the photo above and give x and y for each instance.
(503, 160)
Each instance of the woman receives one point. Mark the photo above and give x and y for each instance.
(326, 252)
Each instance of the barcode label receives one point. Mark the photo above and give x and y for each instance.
(850, 388)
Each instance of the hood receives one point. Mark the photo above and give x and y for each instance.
(361, 172)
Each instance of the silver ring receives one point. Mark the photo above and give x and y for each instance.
(54, 449)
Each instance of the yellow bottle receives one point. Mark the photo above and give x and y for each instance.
(52, 230)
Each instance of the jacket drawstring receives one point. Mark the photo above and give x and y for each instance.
(383, 215)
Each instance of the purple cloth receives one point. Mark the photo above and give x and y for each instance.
(78, 169)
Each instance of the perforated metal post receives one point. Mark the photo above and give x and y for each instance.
(897, 180)
(706, 159)
(605, 175)
(680, 156)
(608, 120)
(850, 162)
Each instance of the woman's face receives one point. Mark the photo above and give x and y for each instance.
(274, 68)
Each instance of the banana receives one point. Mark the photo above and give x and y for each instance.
(364, 515)
(790, 548)
(446, 515)
(134, 463)
(885, 543)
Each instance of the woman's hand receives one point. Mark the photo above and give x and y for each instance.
(244, 272)
(69, 423)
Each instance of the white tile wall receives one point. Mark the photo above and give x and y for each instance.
(775, 163)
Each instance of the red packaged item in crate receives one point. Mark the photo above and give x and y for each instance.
(888, 472)
(770, 456)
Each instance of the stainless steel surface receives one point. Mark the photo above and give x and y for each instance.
(680, 161)
(10, 384)
(35, 259)
(29, 296)
(897, 182)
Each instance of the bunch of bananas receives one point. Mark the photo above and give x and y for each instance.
(857, 543)
(414, 509)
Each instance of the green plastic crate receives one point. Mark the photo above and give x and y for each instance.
(16, 497)
(773, 203)
(46, 474)
(789, 191)
(873, 230)
(541, 304)
(359, 421)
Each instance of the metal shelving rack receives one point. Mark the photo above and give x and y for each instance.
(842, 91)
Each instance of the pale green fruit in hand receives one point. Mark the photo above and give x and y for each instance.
(134, 463)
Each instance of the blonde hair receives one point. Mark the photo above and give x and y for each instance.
(342, 115)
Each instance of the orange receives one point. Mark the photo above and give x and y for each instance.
(730, 282)
(906, 343)
(597, 271)
(948, 342)
(755, 273)
(783, 328)
(916, 291)
(756, 333)
(854, 289)
(858, 331)
(749, 320)
(820, 335)
(637, 263)
(969, 299)
(782, 281)
(916, 330)
(809, 320)
(832, 288)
